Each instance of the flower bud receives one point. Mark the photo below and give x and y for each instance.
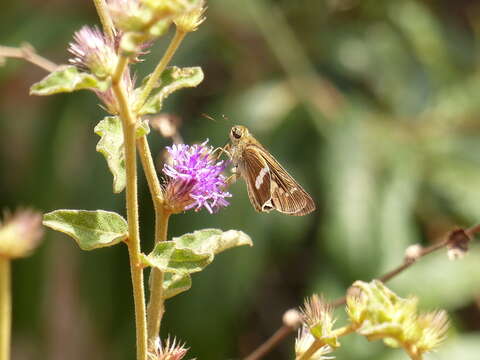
(318, 317)
(457, 244)
(94, 52)
(191, 20)
(303, 342)
(20, 234)
(171, 350)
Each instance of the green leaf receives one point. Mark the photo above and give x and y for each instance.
(111, 147)
(90, 229)
(172, 79)
(174, 284)
(192, 252)
(213, 241)
(67, 79)
(167, 257)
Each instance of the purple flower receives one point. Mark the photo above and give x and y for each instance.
(93, 51)
(195, 179)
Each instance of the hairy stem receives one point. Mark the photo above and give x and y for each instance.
(5, 308)
(27, 53)
(311, 350)
(129, 132)
(105, 19)
(164, 61)
(156, 307)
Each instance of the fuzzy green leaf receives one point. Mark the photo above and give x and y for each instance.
(192, 252)
(67, 79)
(172, 79)
(167, 257)
(90, 229)
(174, 284)
(213, 241)
(111, 147)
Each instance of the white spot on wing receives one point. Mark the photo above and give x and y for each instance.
(261, 175)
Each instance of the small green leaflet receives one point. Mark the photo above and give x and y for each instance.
(110, 146)
(67, 79)
(174, 284)
(172, 79)
(90, 229)
(192, 252)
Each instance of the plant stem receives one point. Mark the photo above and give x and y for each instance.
(105, 19)
(5, 308)
(156, 307)
(311, 350)
(413, 353)
(152, 81)
(129, 132)
(27, 52)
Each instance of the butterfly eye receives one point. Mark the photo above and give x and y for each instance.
(236, 133)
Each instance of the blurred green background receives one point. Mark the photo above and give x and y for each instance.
(372, 105)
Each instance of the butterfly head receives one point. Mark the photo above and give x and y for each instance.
(237, 133)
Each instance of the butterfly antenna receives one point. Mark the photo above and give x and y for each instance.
(206, 116)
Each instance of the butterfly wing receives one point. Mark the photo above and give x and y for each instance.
(256, 173)
(271, 186)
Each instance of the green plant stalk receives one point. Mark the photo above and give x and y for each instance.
(5, 308)
(105, 19)
(156, 304)
(164, 61)
(129, 132)
(155, 307)
(317, 344)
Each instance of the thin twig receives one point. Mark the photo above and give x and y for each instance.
(27, 53)
(275, 339)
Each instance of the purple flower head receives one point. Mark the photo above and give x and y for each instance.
(195, 179)
(93, 51)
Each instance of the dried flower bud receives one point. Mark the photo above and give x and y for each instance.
(93, 51)
(20, 234)
(171, 350)
(413, 253)
(292, 318)
(191, 20)
(303, 342)
(317, 315)
(457, 244)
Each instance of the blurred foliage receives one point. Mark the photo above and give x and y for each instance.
(372, 105)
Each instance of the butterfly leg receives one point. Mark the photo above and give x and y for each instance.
(232, 178)
(220, 151)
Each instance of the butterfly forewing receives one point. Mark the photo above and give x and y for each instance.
(282, 193)
(256, 172)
